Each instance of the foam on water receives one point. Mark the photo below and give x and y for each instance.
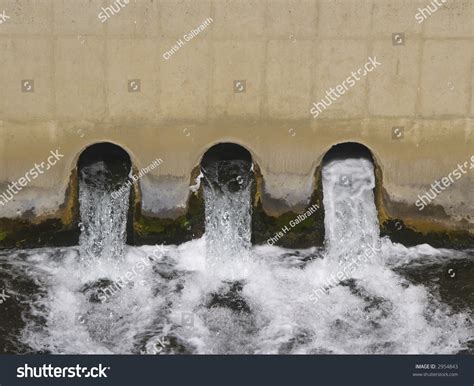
(175, 303)
(271, 311)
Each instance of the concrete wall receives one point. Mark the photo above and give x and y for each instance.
(288, 52)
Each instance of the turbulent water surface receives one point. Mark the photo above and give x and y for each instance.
(220, 295)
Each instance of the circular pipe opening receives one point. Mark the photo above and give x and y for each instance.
(347, 150)
(105, 165)
(227, 166)
(226, 152)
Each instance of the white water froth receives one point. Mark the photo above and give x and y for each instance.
(179, 298)
(389, 315)
(350, 221)
(228, 226)
(103, 217)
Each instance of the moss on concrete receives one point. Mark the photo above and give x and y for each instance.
(400, 222)
(154, 230)
(3, 235)
(70, 209)
(18, 233)
(148, 230)
(308, 233)
(59, 230)
(414, 233)
(404, 225)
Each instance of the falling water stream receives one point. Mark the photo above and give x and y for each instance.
(103, 215)
(350, 216)
(228, 218)
(219, 295)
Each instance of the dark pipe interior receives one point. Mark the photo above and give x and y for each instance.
(347, 150)
(105, 152)
(227, 165)
(226, 152)
(115, 161)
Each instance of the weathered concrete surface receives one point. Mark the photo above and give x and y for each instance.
(288, 52)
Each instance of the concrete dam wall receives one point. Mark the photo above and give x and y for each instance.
(286, 80)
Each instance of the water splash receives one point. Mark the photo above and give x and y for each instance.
(178, 302)
(103, 215)
(228, 210)
(350, 215)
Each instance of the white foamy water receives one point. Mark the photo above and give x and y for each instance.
(350, 221)
(173, 298)
(103, 217)
(173, 303)
(228, 219)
